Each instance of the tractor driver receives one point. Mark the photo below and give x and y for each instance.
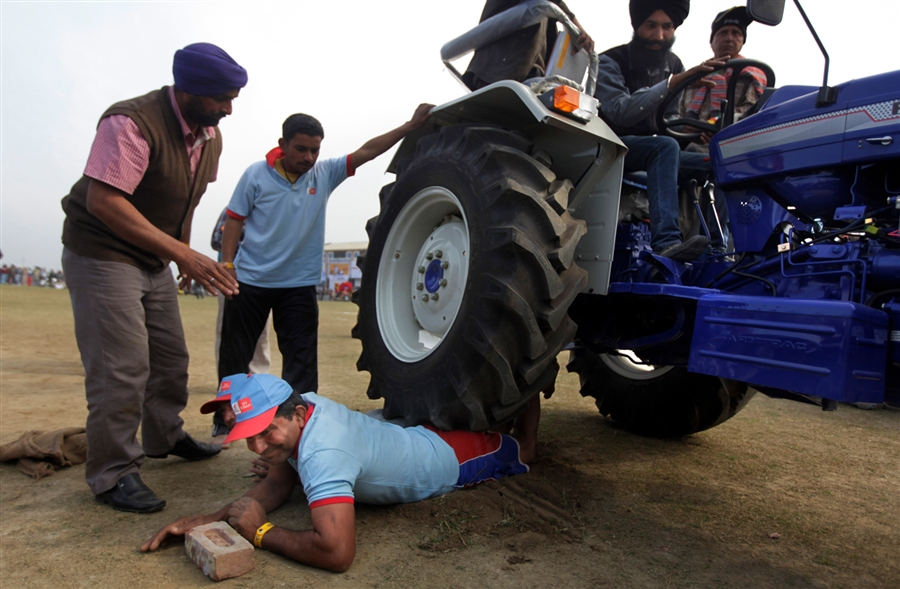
(342, 456)
(633, 80)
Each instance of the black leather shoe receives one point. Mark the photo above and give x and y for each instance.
(131, 494)
(190, 449)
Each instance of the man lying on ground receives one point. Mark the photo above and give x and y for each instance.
(342, 456)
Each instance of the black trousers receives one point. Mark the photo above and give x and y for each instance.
(295, 315)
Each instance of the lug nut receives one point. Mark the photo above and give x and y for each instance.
(430, 256)
(438, 254)
(421, 269)
(445, 265)
(420, 286)
(443, 282)
(425, 298)
(435, 296)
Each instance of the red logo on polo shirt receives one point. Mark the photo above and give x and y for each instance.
(311, 190)
(225, 386)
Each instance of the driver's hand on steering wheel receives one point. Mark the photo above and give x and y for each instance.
(707, 66)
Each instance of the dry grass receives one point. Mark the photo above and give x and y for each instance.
(601, 508)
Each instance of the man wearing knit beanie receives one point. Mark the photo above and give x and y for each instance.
(127, 218)
(633, 80)
(729, 33)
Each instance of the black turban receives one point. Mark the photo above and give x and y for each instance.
(206, 70)
(736, 17)
(641, 10)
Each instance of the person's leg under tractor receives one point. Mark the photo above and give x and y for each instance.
(525, 429)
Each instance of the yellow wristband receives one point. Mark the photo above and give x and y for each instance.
(257, 539)
(229, 265)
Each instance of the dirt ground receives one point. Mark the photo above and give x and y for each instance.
(601, 507)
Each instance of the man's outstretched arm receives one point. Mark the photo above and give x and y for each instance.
(269, 494)
(378, 145)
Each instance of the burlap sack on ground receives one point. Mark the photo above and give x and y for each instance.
(40, 453)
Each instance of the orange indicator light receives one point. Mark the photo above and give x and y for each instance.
(566, 99)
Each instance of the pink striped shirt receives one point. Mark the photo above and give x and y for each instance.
(120, 155)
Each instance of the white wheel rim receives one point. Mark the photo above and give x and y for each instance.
(628, 364)
(426, 254)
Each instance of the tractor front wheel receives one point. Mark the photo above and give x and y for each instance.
(467, 281)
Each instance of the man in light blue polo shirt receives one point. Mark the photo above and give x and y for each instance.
(342, 458)
(279, 204)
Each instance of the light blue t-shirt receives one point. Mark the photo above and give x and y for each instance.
(345, 454)
(284, 231)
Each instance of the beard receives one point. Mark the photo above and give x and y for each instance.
(197, 113)
(650, 59)
(642, 44)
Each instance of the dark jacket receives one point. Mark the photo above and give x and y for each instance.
(618, 68)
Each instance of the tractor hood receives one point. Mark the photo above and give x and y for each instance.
(790, 134)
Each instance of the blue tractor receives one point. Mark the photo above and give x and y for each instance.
(503, 242)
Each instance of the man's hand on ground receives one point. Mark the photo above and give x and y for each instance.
(246, 515)
(214, 277)
(707, 66)
(178, 527)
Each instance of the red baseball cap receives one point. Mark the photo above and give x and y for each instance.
(254, 399)
(223, 396)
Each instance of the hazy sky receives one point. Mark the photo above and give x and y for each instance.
(359, 66)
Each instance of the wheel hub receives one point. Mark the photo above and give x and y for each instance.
(436, 287)
(433, 276)
(422, 274)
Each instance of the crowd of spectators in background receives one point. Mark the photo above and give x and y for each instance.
(36, 276)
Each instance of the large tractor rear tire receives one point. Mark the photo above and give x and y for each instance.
(663, 402)
(467, 281)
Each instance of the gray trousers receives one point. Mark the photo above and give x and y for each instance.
(131, 340)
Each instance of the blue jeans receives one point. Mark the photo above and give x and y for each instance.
(666, 165)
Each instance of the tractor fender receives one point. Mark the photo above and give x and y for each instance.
(589, 154)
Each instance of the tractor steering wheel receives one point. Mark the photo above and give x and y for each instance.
(727, 117)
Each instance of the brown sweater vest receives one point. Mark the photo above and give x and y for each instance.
(165, 196)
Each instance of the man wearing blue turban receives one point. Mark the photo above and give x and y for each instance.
(127, 218)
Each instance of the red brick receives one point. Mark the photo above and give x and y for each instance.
(219, 551)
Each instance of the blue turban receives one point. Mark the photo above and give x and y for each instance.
(206, 70)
